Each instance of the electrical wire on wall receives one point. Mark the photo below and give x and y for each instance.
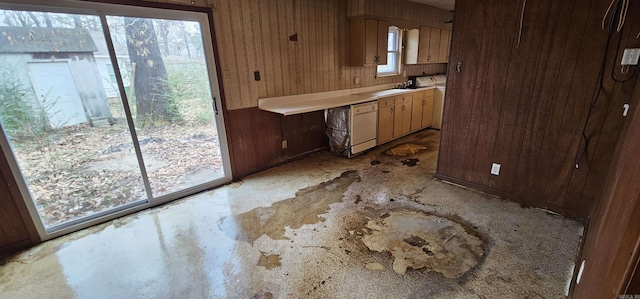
(613, 21)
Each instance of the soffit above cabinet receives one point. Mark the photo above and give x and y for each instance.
(444, 4)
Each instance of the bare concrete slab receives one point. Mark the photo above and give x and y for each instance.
(320, 227)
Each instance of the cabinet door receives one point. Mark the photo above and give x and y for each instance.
(412, 40)
(427, 112)
(434, 45)
(383, 42)
(397, 120)
(406, 117)
(423, 46)
(385, 124)
(445, 37)
(416, 114)
(370, 41)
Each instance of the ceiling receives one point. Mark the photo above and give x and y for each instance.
(444, 4)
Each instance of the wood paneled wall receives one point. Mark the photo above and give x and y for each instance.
(401, 10)
(256, 137)
(253, 35)
(17, 231)
(611, 244)
(525, 105)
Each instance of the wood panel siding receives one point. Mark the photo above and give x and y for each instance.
(17, 231)
(611, 244)
(255, 138)
(400, 10)
(253, 35)
(523, 104)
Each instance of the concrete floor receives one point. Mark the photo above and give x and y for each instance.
(322, 227)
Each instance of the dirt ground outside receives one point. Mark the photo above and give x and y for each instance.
(80, 170)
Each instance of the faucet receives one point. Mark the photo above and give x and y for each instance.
(404, 85)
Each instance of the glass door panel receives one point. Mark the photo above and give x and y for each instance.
(63, 118)
(168, 88)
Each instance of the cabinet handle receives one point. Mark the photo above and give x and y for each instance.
(428, 57)
(402, 107)
(424, 102)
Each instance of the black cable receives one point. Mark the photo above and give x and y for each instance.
(594, 100)
(600, 86)
(610, 28)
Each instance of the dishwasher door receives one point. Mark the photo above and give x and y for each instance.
(364, 126)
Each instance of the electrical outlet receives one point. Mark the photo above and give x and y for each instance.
(356, 80)
(495, 169)
(284, 144)
(630, 56)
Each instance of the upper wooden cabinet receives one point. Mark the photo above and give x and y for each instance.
(411, 44)
(368, 41)
(434, 45)
(427, 45)
(445, 40)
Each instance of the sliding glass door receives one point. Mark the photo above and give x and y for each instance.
(106, 110)
(171, 100)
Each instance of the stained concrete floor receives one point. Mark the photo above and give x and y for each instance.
(376, 226)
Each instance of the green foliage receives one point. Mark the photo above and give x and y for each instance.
(190, 96)
(18, 117)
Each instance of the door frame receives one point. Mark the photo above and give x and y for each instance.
(158, 11)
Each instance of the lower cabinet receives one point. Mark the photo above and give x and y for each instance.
(427, 112)
(416, 114)
(422, 110)
(385, 119)
(400, 115)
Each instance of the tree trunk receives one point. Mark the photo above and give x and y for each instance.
(153, 108)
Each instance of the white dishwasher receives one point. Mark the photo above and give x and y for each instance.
(363, 126)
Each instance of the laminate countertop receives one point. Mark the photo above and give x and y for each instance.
(297, 104)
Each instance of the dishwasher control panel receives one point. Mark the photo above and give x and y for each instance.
(366, 107)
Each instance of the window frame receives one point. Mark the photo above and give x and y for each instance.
(398, 68)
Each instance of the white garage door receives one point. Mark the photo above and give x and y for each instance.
(57, 93)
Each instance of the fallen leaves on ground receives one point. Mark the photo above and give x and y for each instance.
(64, 186)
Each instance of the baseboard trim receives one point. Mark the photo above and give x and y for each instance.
(514, 198)
(279, 162)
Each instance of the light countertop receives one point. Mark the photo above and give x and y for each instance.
(296, 104)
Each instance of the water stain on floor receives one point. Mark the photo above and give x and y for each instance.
(405, 149)
(269, 261)
(410, 162)
(265, 295)
(418, 240)
(293, 212)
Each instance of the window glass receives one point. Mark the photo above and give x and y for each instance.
(393, 55)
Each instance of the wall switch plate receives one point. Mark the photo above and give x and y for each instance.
(630, 56)
(284, 144)
(495, 169)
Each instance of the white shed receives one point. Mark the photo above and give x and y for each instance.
(58, 66)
